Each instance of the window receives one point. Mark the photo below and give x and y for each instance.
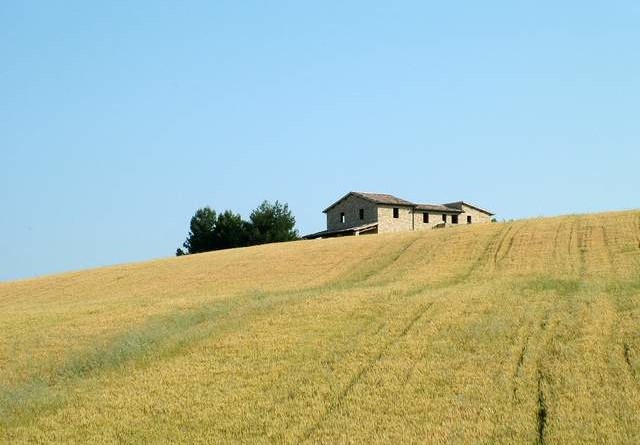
(454, 219)
(444, 218)
(425, 218)
(361, 212)
(396, 212)
(343, 219)
(468, 219)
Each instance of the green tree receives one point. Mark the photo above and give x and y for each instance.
(231, 231)
(271, 223)
(268, 223)
(202, 236)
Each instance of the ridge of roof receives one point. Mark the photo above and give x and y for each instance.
(384, 198)
(377, 198)
(459, 204)
(438, 208)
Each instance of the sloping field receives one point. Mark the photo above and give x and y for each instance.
(524, 332)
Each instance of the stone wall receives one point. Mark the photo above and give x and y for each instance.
(387, 223)
(383, 215)
(476, 215)
(351, 207)
(434, 219)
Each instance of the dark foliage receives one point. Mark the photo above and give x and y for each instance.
(272, 223)
(268, 223)
(202, 231)
(231, 231)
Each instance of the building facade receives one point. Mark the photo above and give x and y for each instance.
(359, 213)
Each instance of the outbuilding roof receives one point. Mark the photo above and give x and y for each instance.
(437, 208)
(349, 230)
(459, 204)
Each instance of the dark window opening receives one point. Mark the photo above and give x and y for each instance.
(361, 213)
(468, 219)
(396, 212)
(343, 219)
(454, 219)
(425, 218)
(444, 218)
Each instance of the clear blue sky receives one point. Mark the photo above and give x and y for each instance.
(118, 119)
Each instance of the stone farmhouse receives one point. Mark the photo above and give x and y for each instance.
(359, 213)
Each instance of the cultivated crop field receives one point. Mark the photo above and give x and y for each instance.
(523, 332)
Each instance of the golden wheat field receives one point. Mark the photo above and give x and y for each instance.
(522, 332)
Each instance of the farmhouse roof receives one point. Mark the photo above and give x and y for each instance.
(459, 204)
(385, 199)
(376, 198)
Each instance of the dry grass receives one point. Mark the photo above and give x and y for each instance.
(523, 332)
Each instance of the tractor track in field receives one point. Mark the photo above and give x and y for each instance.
(386, 265)
(627, 358)
(542, 415)
(407, 375)
(519, 364)
(583, 236)
(484, 256)
(364, 370)
(398, 255)
(607, 244)
(532, 235)
(497, 258)
(545, 333)
(571, 234)
(542, 412)
(524, 352)
(365, 330)
(556, 239)
(505, 235)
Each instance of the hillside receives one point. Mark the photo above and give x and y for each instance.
(518, 332)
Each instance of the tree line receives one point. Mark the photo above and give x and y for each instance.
(268, 223)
